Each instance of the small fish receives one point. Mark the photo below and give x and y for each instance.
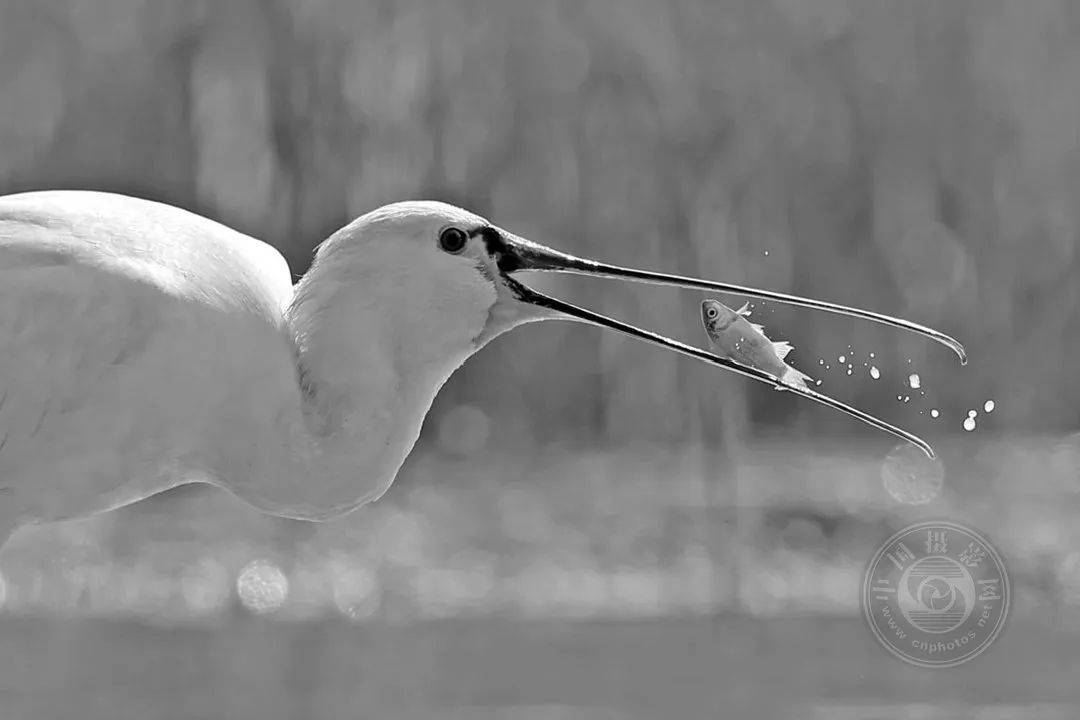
(736, 338)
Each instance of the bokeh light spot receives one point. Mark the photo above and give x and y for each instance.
(910, 477)
(262, 587)
(464, 430)
(205, 587)
(357, 593)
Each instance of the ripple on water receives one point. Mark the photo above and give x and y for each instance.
(910, 477)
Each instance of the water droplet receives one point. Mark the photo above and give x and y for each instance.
(874, 372)
(818, 382)
(828, 367)
(934, 413)
(913, 380)
(821, 361)
(910, 477)
(871, 354)
(969, 424)
(972, 413)
(842, 359)
(849, 371)
(766, 253)
(988, 406)
(907, 398)
(899, 397)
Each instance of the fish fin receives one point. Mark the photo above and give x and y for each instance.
(795, 378)
(744, 310)
(782, 348)
(758, 328)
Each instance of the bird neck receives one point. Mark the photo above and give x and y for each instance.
(369, 368)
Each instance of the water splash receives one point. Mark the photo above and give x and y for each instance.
(914, 381)
(934, 413)
(874, 372)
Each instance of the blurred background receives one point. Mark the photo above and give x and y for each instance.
(646, 537)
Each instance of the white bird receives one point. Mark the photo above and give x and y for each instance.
(143, 346)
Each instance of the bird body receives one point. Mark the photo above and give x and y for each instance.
(143, 346)
(118, 319)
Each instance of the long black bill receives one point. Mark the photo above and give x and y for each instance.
(527, 294)
(515, 254)
(522, 254)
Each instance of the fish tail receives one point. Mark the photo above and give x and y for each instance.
(794, 377)
(782, 348)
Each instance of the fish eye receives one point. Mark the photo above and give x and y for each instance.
(711, 313)
(453, 240)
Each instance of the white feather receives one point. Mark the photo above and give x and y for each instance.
(796, 377)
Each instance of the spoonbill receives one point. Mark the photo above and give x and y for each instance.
(143, 346)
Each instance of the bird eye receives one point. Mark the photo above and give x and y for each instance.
(711, 312)
(453, 240)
